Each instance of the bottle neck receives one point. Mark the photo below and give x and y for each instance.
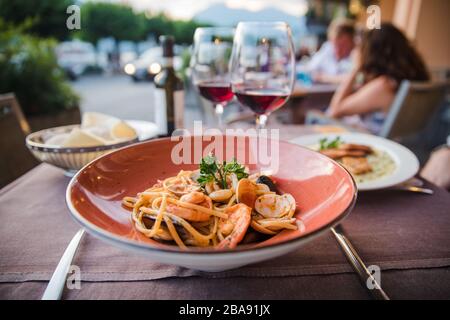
(167, 62)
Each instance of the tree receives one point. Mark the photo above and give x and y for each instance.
(184, 30)
(159, 25)
(48, 17)
(100, 20)
(28, 67)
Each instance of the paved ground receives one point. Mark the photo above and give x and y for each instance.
(119, 96)
(116, 95)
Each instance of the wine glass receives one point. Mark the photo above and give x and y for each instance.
(209, 65)
(262, 67)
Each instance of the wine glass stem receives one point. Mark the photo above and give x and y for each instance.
(261, 120)
(219, 113)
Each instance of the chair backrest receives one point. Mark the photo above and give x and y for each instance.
(413, 106)
(15, 158)
(9, 103)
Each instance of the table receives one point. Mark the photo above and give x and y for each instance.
(407, 235)
(301, 90)
(306, 98)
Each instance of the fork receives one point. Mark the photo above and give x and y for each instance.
(413, 185)
(414, 189)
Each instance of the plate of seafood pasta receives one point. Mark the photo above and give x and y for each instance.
(374, 162)
(211, 208)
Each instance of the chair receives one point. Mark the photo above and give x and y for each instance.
(8, 102)
(15, 157)
(413, 107)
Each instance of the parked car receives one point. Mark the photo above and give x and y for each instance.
(149, 64)
(75, 57)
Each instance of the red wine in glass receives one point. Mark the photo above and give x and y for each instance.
(217, 92)
(262, 101)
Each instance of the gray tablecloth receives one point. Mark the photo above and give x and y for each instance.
(407, 235)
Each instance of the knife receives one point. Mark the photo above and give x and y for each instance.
(358, 265)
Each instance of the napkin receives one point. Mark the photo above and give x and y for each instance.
(96, 129)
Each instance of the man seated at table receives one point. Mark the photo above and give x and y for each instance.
(334, 59)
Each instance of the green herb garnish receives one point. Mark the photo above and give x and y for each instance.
(324, 144)
(211, 170)
(208, 169)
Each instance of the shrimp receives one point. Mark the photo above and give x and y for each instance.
(194, 197)
(235, 227)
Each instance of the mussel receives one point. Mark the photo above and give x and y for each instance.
(149, 221)
(268, 182)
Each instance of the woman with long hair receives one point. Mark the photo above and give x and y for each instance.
(383, 60)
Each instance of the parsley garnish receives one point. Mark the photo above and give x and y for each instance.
(208, 169)
(211, 170)
(324, 144)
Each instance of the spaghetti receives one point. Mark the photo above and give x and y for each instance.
(189, 211)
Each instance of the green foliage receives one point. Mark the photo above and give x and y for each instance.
(182, 30)
(159, 24)
(28, 67)
(48, 16)
(99, 20)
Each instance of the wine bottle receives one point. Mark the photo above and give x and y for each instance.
(168, 92)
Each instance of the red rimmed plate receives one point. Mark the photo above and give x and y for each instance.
(324, 191)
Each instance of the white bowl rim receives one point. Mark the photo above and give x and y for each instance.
(33, 145)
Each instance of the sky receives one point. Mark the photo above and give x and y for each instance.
(186, 9)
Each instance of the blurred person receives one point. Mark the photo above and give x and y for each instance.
(383, 60)
(334, 60)
(437, 169)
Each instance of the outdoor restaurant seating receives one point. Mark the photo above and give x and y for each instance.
(229, 150)
(16, 159)
(414, 106)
